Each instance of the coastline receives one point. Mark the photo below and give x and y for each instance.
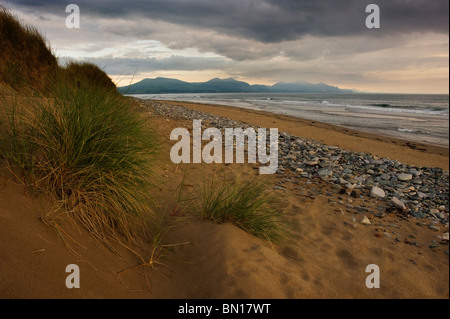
(407, 152)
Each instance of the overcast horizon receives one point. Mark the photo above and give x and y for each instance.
(259, 42)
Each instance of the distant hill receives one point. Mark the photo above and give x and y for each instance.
(165, 85)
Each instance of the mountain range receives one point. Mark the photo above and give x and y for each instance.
(164, 85)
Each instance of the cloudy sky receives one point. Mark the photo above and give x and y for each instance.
(258, 41)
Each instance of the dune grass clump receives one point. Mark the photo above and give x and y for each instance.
(26, 59)
(244, 203)
(87, 73)
(90, 149)
(74, 137)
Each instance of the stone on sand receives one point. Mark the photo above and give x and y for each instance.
(398, 203)
(365, 221)
(377, 192)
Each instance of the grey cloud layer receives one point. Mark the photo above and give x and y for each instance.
(270, 20)
(313, 40)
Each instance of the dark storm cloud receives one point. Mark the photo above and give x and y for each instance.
(268, 21)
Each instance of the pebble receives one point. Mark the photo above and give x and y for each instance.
(405, 177)
(398, 203)
(365, 221)
(325, 173)
(377, 192)
(422, 195)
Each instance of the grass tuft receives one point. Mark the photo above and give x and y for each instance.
(244, 203)
(26, 59)
(91, 150)
(85, 73)
(75, 138)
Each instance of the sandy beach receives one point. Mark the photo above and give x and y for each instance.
(327, 257)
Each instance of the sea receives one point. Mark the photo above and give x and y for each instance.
(412, 117)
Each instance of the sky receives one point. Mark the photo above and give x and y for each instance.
(257, 41)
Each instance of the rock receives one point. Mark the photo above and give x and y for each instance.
(434, 213)
(362, 209)
(422, 195)
(440, 215)
(377, 192)
(398, 203)
(445, 236)
(399, 194)
(405, 177)
(418, 214)
(325, 173)
(365, 221)
(434, 228)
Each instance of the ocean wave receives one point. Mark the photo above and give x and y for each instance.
(414, 107)
(405, 130)
(332, 104)
(398, 109)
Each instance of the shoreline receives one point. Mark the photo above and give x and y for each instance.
(421, 192)
(407, 152)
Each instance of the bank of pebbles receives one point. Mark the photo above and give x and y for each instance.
(415, 192)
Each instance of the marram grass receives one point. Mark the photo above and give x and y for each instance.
(91, 150)
(26, 59)
(244, 202)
